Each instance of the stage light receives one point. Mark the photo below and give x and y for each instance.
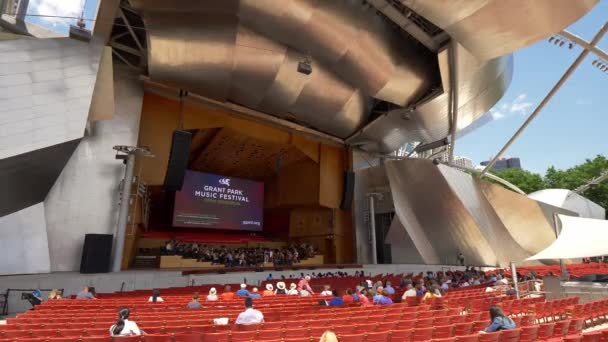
(561, 43)
(551, 39)
(594, 62)
(570, 46)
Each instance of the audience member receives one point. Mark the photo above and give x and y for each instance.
(420, 290)
(280, 289)
(250, 315)
(326, 291)
(304, 285)
(378, 294)
(410, 292)
(155, 298)
(228, 294)
(269, 291)
(348, 297)
(85, 294)
(194, 304)
(212, 296)
(254, 294)
(293, 290)
(433, 292)
(499, 321)
(123, 326)
(329, 336)
(304, 293)
(366, 298)
(243, 291)
(389, 288)
(336, 300)
(54, 295)
(384, 299)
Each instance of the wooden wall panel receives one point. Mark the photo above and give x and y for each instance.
(310, 222)
(159, 118)
(307, 146)
(298, 184)
(331, 169)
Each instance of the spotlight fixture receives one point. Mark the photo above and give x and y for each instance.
(594, 62)
(570, 46)
(551, 39)
(305, 66)
(561, 43)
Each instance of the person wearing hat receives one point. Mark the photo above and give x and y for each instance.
(303, 284)
(243, 291)
(293, 290)
(212, 294)
(269, 291)
(280, 289)
(255, 294)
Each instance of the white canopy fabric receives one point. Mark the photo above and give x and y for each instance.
(579, 238)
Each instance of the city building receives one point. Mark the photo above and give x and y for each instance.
(463, 162)
(504, 163)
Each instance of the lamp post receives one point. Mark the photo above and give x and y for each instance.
(127, 154)
(372, 223)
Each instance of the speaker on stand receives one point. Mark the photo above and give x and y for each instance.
(178, 161)
(349, 190)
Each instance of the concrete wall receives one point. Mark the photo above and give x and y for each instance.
(85, 197)
(23, 242)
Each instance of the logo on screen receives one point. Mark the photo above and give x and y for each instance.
(225, 181)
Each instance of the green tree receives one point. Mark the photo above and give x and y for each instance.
(523, 179)
(579, 175)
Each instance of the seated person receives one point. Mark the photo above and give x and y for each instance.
(433, 292)
(254, 294)
(366, 298)
(194, 304)
(228, 294)
(326, 291)
(155, 298)
(123, 326)
(85, 294)
(348, 297)
(243, 291)
(269, 291)
(54, 295)
(500, 321)
(293, 290)
(281, 288)
(389, 288)
(378, 294)
(336, 300)
(384, 299)
(410, 292)
(250, 315)
(212, 296)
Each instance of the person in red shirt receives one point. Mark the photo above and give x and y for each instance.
(303, 285)
(227, 295)
(348, 297)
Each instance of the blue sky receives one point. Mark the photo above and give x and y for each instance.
(571, 128)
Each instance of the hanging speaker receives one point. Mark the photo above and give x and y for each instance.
(178, 160)
(349, 190)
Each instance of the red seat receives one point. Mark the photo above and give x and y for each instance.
(572, 338)
(422, 334)
(401, 335)
(157, 338)
(377, 336)
(295, 333)
(275, 334)
(187, 338)
(96, 339)
(216, 337)
(489, 337)
(510, 335)
(126, 338)
(561, 328)
(351, 338)
(468, 338)
(529, 333)
(447, 339)
(545, 330)
(576, 326)
(443, 331)
(595, 336)
(462, 329)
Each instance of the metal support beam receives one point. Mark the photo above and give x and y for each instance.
(115, 53)
(123, 214)
(515, 282)
(453, 98)
(126, 48)
(585, 44)
(558, 229)
(547, 98)
(372, 226)
(124, 18)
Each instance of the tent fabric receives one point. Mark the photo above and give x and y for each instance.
(579, 238)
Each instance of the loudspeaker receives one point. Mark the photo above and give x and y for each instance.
(349, 190)
(96, 253)
(178, 160)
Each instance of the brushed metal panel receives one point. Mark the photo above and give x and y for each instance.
(434, 216)
(468, 190)
(192, 51)
(507, 25)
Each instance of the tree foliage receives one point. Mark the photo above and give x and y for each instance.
(570, 179)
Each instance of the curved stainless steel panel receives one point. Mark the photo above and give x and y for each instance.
(480, 87)
(507, 25)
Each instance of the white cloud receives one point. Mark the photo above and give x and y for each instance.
(519, 105)
(56, 8)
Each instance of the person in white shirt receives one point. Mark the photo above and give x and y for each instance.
(212, 294)
(410, 292)
(326, 291)
(293, 290)
(123, 326)
(155, 298)
(250, 316)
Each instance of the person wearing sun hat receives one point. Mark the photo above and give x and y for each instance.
(243, 291)
(280, 289)
(269, 291)
(212, 294)
(293, 290)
